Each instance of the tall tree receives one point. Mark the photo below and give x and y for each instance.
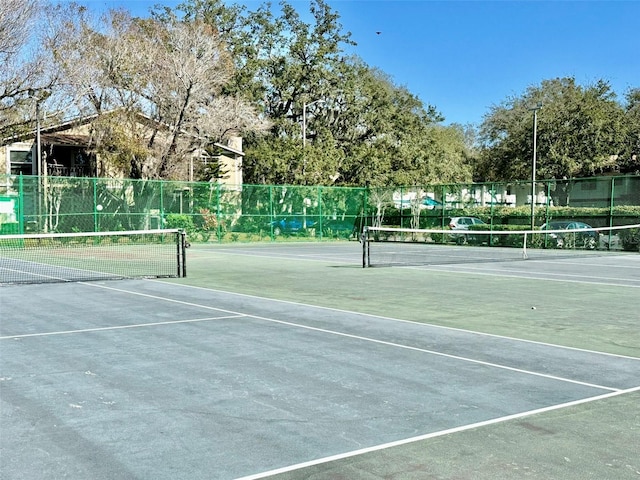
(580, 132)
(358, 126)
(26, 77)
(629, 160)
(177, 84)
(16, 16)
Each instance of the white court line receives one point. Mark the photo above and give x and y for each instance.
(340, 259)
(436, 353)
(400, 320)
(580, 264)
(441, 433)
(632, 258)
(552, 274)
(525, 274)
(60, 268)
(234, 314)
(369, 339)
(118, 327)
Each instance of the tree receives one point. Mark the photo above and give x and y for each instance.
(209, 68)
(361, 128)
(26, 77)
(181, 75)
(15, 20)
(390, 137)
(629, 160)
(236, 29)
(580, 132)
(177, 85)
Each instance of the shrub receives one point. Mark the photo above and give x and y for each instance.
(182, 221)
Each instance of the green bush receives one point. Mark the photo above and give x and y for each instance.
(251, 223)
(440, 237)
(182, 221)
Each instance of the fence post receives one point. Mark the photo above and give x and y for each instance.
(548, 201)
(400, 211)
(218, 213)
(271, 219)
(320, 213)
(492, 194)
(20, 204)
(444, 205)
(365, 206)
(161, 209)
(612, 203)
(96, 224)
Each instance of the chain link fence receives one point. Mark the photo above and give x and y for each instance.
(222, 213)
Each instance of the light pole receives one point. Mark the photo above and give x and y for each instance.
(41, 169)
(533, 164)
(39, 97)
(41, 166)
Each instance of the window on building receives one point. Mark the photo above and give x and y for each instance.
(21, 162)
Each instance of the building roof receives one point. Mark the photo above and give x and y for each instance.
(53, 134)
(65, 139)
(229, 149)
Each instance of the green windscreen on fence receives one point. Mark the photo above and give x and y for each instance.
(216, 212)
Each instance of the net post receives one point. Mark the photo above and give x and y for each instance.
(364, 237)
(182, 253)
(368, 248)
(524, 247)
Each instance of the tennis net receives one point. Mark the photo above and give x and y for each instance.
(386, 246)
(76, 257)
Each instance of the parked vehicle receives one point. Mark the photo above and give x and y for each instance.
(588, 239)
(291, 225)
(463, 223)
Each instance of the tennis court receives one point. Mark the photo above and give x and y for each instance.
(291, 361)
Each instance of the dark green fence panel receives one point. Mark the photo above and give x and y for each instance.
(225, 213)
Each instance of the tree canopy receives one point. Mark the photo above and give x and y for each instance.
(177, 84)
(359, 127)
(309, 113)
(581, 131)
(26, 75)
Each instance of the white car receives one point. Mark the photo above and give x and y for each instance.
(463, 223)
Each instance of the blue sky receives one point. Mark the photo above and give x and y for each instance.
(465, 56)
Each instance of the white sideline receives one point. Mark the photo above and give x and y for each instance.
(427, 436)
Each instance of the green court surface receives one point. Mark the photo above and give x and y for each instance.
(578, 310)
(582, 308)
(595, 441)
(289, 361)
